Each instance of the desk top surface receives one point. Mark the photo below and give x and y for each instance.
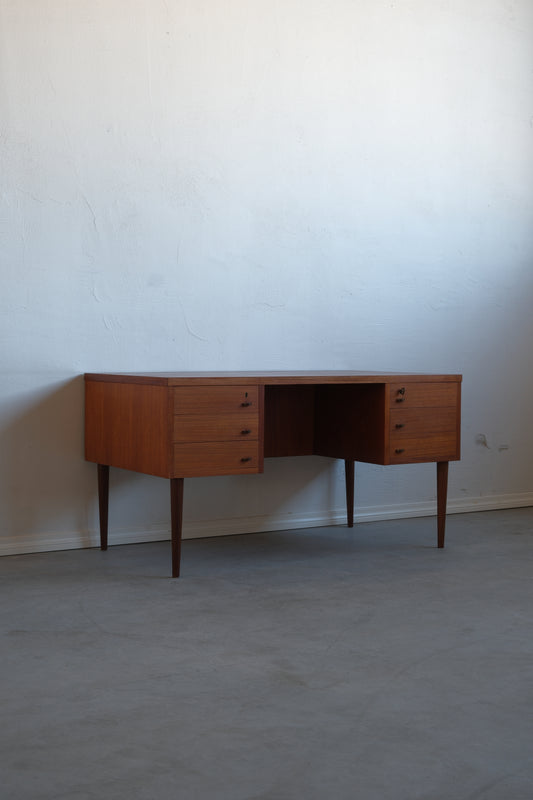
(268, 378)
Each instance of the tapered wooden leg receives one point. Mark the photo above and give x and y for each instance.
(442, 493)
(349, 469)
(176, 523)
(103, 502)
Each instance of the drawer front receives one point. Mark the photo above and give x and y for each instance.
(441, 447)
(216, 428)
(423, 395)
(408, 423)
(215, 458)
(215, 399)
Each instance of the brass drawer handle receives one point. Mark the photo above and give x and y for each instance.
(247, 403)
(247, 458)
(401, 392)
(400, 425)
(400, 450)
(245, 432)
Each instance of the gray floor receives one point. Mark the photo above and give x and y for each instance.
(316, 664)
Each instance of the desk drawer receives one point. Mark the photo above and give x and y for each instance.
(431, 448)
(216, 428)
(215, 399)
(423, 395)
(215, 458)
(408, 423)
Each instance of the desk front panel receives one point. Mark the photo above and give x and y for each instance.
(424, 422)
(217, 430)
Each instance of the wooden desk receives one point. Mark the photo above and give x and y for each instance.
(181, 425)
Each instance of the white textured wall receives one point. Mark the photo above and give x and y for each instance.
(248, 184)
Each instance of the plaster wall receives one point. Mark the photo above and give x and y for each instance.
(242, 184)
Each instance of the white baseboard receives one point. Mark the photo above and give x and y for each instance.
(39, 543)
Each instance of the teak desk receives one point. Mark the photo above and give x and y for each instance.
(186, 424)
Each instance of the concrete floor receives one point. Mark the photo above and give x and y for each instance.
(328, 663)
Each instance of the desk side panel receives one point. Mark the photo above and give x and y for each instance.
(127, 426)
